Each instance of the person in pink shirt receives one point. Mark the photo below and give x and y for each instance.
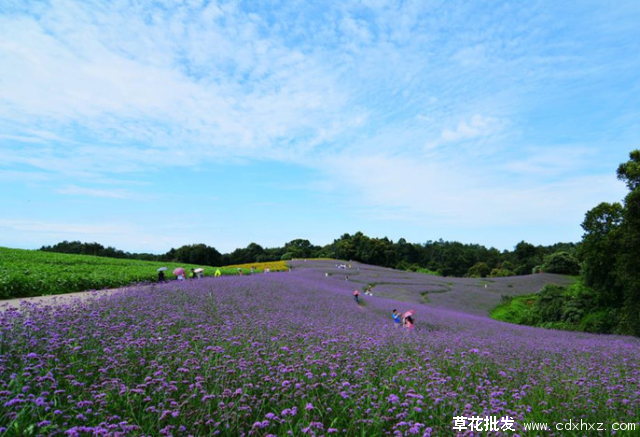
(408, 322)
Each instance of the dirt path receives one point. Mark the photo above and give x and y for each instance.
(56, 298)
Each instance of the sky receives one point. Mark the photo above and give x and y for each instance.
(150, 124)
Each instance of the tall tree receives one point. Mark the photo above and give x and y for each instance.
(628, 264)
(526, 257)
(600, 250)
(300, 248)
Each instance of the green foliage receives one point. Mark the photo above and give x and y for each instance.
(629, 171)
(610, 251)
(607, 298)
(555, 307)
(300, 248)
(514, 309)
(600, 250)
(448, 258)
(628, 268)
(479, 270)
(525, 257)
(561, 262)
(598, 322)
(549, 304)
(79, 248)
(503, 271)
(25, 273)
(428, 272)
(200, 254)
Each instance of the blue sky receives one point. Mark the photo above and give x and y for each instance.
(146, 125)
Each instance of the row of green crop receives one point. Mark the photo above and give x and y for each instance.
(26, 273)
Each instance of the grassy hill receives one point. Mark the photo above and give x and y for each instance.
(471, 295)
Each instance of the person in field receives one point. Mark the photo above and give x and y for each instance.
(356, 296)
(408, 322)
(396, 318)
(161, 277)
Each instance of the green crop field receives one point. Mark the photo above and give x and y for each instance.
(26, 273)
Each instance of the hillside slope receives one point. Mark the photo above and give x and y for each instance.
(470, 295)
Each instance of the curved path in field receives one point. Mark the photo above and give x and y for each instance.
(476, 296)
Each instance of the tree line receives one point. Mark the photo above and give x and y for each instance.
(440, 257)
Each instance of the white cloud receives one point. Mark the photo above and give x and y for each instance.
(476, 127)
(248, 95)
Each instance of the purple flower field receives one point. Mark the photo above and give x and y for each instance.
(293, 354)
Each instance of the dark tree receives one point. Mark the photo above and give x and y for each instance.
(600, 250)
(629, 261)
(562, 262)
(200, 254)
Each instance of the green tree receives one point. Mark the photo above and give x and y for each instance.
(628, 265)
(504, 269)
(345, 247)
(526, 257)
(407, 252)
(600, 250)
(198, 254)
(479, 270)
(561, 262)
(300, 248)
(249, 254)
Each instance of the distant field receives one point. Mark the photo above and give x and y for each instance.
(26, 273)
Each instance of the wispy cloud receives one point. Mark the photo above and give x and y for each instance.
(459, 193)
(475, 128)
(557, 161)
(438, 112)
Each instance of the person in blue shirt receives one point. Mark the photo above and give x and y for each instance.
(396, 318)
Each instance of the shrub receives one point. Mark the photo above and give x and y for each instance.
(550, 302)
(563, 263)
(501, 273)
(479, 270)
(599, 321)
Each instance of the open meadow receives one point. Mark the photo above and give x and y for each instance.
(291, 353)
